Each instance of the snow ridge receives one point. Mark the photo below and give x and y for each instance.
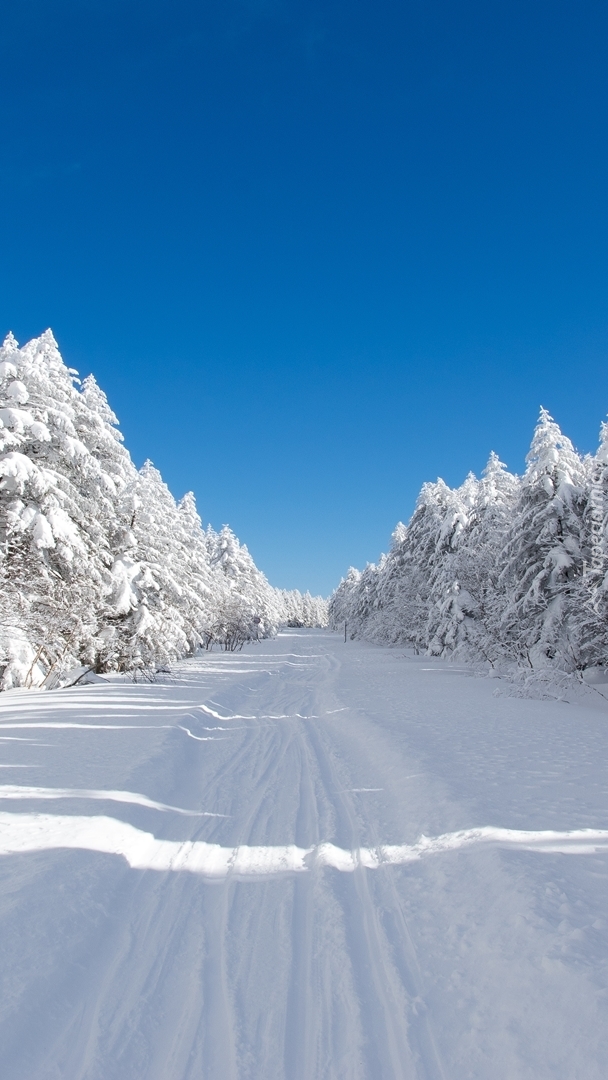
(21, 833)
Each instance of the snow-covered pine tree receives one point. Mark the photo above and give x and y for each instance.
(292, 607)
(299, 609)
(500, 569)
(244, 592)
(451, 606)
(588, 624)
(98, 564)
(542, 550)
(199, 583)
(314, 610)
(407, 574)
(151, 616)
(55, 554)
(469, 614)
(342, 603)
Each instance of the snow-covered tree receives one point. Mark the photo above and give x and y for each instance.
(588, 623)
(298, 610)
(465, 586)
(248, 605)
(55, 551)
(500, 569)
(542, 553)
(98, 563)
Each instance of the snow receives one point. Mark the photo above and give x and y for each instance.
(19, 469)
(142, 851)
(311, 859)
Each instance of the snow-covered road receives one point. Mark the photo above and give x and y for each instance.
(310, 860)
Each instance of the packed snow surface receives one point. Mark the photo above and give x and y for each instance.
(309, 860)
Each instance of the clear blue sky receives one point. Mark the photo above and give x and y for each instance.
(315, 252)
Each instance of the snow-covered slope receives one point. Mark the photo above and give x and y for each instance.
(309, 860)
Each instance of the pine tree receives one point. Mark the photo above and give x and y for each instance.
(542, 551)
(98, 564)
(55, 553)
(469, 609)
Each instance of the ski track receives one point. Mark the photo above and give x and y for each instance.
(364, 875)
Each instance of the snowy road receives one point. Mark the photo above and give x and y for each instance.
(310, 860)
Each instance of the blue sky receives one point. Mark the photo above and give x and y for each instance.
(315, 252)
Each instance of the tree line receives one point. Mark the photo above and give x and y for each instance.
(99, 565)
(506, 569)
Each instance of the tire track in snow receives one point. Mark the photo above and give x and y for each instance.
(383, 993)
(301, 1026)
(259, 772)
(379, 1028)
